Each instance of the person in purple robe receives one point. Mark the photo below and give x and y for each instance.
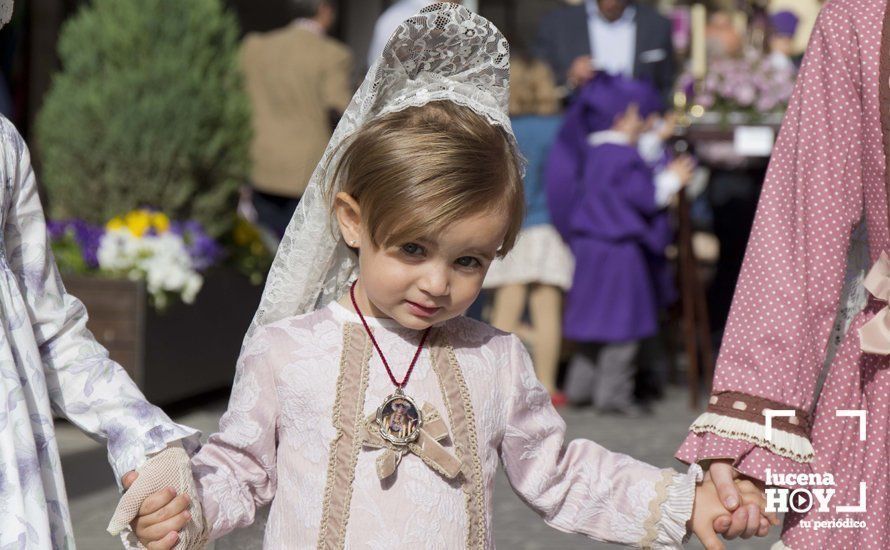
(603, 201)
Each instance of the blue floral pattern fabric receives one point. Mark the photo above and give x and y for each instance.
(50, 365)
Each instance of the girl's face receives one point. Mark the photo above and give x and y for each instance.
(426, 281)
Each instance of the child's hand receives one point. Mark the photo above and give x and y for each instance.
(160, 518)
(150, 507)
(707, 508)
(682, 167)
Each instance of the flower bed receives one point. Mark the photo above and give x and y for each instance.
(170, 303)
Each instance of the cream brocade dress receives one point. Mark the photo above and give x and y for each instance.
(291, 436)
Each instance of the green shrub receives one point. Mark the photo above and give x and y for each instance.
(148, 110)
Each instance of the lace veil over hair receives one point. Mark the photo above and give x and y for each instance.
(445, 52)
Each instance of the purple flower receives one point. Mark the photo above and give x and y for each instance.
(745, 95)
(86, 235)
(202, 248)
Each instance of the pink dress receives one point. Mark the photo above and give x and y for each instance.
(291, 436)
(823, 213)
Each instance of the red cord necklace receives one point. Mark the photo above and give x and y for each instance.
(398, 419)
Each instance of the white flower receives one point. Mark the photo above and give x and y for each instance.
(162, 261)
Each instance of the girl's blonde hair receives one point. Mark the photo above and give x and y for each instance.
(415, 172)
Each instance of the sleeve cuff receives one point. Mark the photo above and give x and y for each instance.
(742, 417)
(746, 457)
(126, 454)
(676, 510)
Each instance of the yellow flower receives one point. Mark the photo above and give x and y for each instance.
(138, 222)
(245, 232)
(160, 222)
(114, 224)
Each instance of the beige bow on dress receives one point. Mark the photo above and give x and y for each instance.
(426, 446)
(874, 336)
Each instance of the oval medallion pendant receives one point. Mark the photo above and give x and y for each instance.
(399, 419)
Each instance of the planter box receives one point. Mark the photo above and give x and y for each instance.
(179, 353)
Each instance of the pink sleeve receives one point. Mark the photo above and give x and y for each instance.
(787, 297)
(235, 472)
(582, 487)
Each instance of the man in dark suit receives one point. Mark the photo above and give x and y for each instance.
(618, 36)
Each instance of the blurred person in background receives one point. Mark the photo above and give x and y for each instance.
(605, 202)
(806, 11)
(298, 82)
(620, 37)
(783, 27)
(538, 270)
(390, 19)
(723, 36)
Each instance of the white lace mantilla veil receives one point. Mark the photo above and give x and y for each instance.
(444, 53)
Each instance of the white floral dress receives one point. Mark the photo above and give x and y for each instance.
(291, 437)
(51, 365)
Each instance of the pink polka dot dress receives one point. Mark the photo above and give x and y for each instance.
(826, 183)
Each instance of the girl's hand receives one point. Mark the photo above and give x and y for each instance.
(708, 508)
(150, 507)
(160, 518)
(724, 475)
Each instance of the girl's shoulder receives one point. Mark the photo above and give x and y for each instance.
(313, 328)
(464, 332)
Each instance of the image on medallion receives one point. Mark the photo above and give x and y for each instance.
(400, 419)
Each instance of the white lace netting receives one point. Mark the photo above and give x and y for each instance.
(5, 12)
(169, 468)
(445, 52)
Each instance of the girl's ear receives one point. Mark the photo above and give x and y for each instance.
(349, 218)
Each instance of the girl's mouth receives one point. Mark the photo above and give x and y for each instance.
(422, 311)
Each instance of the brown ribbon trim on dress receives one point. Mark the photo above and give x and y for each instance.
(348, 420)
(351, 425)
(427, 445)
(751, 408)
(463, 433)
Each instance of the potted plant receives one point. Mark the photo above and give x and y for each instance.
(143, 138)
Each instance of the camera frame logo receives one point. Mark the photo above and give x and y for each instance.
(814, 490)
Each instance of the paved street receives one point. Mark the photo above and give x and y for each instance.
(93, 495)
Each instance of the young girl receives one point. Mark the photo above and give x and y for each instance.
(538, 270)
(380, 418)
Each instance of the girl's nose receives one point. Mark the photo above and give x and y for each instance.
(435, 282)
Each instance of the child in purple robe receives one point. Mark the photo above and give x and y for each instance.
(605, 203)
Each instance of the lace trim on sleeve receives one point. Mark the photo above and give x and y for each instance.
(736, 415)
(666, 527)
